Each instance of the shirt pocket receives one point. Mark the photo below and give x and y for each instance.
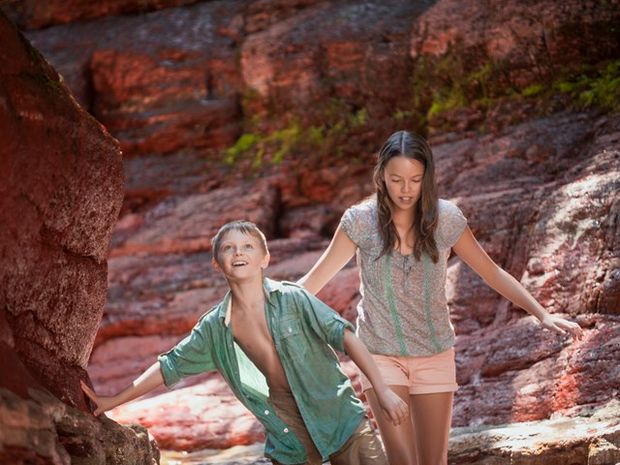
(293, 338)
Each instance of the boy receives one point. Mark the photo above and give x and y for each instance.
(269, 340)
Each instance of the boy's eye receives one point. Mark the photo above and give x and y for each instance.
(226, 248)
(249, 246)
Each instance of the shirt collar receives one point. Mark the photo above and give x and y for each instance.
(269, 287)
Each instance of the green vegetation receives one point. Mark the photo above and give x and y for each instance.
(439, 85)
(598, 87)
(531, 91)
(259, 148)
(444, 84)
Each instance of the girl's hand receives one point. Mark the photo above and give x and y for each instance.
(561, 325)
(103, 403)
(393, 406)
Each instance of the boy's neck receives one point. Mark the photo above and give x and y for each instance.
(247, 296)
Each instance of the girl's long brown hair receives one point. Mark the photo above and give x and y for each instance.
(415, 147)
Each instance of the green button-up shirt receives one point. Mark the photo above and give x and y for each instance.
(302, 328)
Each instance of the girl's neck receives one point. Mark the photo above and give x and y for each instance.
(403, 218)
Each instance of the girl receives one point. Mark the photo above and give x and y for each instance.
(403, 236)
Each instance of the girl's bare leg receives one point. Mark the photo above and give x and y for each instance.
(398, 440)
(432, 416)
(424, 439)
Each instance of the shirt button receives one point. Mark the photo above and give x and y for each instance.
(285, 430)
(290, 330)
(266, 412)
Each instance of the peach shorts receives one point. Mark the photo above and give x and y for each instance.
(423, 375)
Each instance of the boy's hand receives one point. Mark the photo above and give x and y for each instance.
(393, 406)
(103, 403)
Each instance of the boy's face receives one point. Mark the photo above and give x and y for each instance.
(241, 256)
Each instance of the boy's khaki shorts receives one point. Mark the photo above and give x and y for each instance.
(362, 448)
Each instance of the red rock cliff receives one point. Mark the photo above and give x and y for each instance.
(60, 195)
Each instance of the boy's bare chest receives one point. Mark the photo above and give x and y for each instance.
(251, 333)
(253, 336)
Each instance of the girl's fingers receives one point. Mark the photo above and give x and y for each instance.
(393, 416)
(559, 329)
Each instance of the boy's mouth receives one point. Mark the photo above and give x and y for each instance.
(239, 263)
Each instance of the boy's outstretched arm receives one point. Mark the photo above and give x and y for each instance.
(146, 382)
(393, 406)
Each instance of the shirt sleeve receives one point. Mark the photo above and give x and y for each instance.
(350, 224)
(189, 357)
(451, 223)
(323, 320)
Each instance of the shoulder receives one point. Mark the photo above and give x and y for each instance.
(289, 287)
(209, 317)
(286, 289)
(450, 222)
(358, 220)
(447, 208)
(210, 314)
(366, 208)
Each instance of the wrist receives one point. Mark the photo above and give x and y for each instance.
(380, 388)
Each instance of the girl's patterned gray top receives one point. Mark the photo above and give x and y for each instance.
(403, 310)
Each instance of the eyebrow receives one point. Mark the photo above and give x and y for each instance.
(243, 242)
(397, 176)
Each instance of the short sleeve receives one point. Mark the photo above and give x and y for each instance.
(324, 320)
(359, 223)
(189, 357)
(451, 223)
(349, 225)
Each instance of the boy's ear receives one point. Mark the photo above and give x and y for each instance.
(215, 264)
(265, 263)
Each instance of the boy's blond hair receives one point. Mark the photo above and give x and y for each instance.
(245, 227)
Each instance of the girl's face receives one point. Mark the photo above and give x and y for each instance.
(403, 179)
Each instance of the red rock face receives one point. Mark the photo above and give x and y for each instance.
(59, 198)
(537, 179)
(33, 14)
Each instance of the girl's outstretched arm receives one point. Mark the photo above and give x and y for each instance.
(146, 382)
(338, 253)
(470, 251)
